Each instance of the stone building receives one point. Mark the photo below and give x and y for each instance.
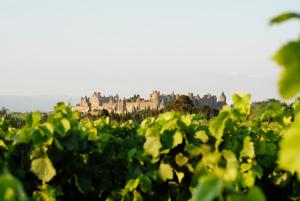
(156, 101)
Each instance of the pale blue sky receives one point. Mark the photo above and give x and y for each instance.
(75, 47)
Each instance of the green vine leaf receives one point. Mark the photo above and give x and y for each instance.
(11, 188)
(255, 194)
(248, 148)
(284, 17)
(43, 168)
(152, 144)
(181, 160)
(208, 188)
(242, 104)
(288, 57)
(217, 125)
(165, 171)
(290, 148)
(33, 119)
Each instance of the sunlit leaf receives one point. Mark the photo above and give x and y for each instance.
(241, 103)
(165, 171)
(181, 160)
(217, 125)
(179, 175)
(66, 125)
(202, 136)
(248, 148)
(288, 57)
(248, 179)
(2, 144)
(43, 169)
(132, 184)
(231, 170)
(289, 158)
(152, 144)
(177, 139)
(33, 119)
(137, 196)
(46, 129)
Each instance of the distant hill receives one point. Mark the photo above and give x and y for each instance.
(44, 103)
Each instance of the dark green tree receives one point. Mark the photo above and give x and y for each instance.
(104, 113)
(183, 104)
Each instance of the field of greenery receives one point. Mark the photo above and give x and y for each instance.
(239, 155)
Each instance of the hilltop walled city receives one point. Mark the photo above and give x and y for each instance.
(156, 101)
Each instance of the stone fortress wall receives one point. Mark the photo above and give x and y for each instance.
(156, 101)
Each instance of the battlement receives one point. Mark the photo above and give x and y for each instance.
(156, 101)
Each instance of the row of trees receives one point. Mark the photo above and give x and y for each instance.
(16, 119)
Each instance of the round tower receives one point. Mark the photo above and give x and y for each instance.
(155, 100)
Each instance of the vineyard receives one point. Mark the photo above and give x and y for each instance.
(174, 156)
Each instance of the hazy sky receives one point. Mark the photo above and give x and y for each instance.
(75, 47)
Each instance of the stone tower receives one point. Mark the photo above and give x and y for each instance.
(122, 106)
(84, 102)
(222, 98)
(155, 99)
(96, 100)
(110, 102)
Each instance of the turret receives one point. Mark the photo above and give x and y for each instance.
(222, 98)
(84, 102)
(96, 100)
